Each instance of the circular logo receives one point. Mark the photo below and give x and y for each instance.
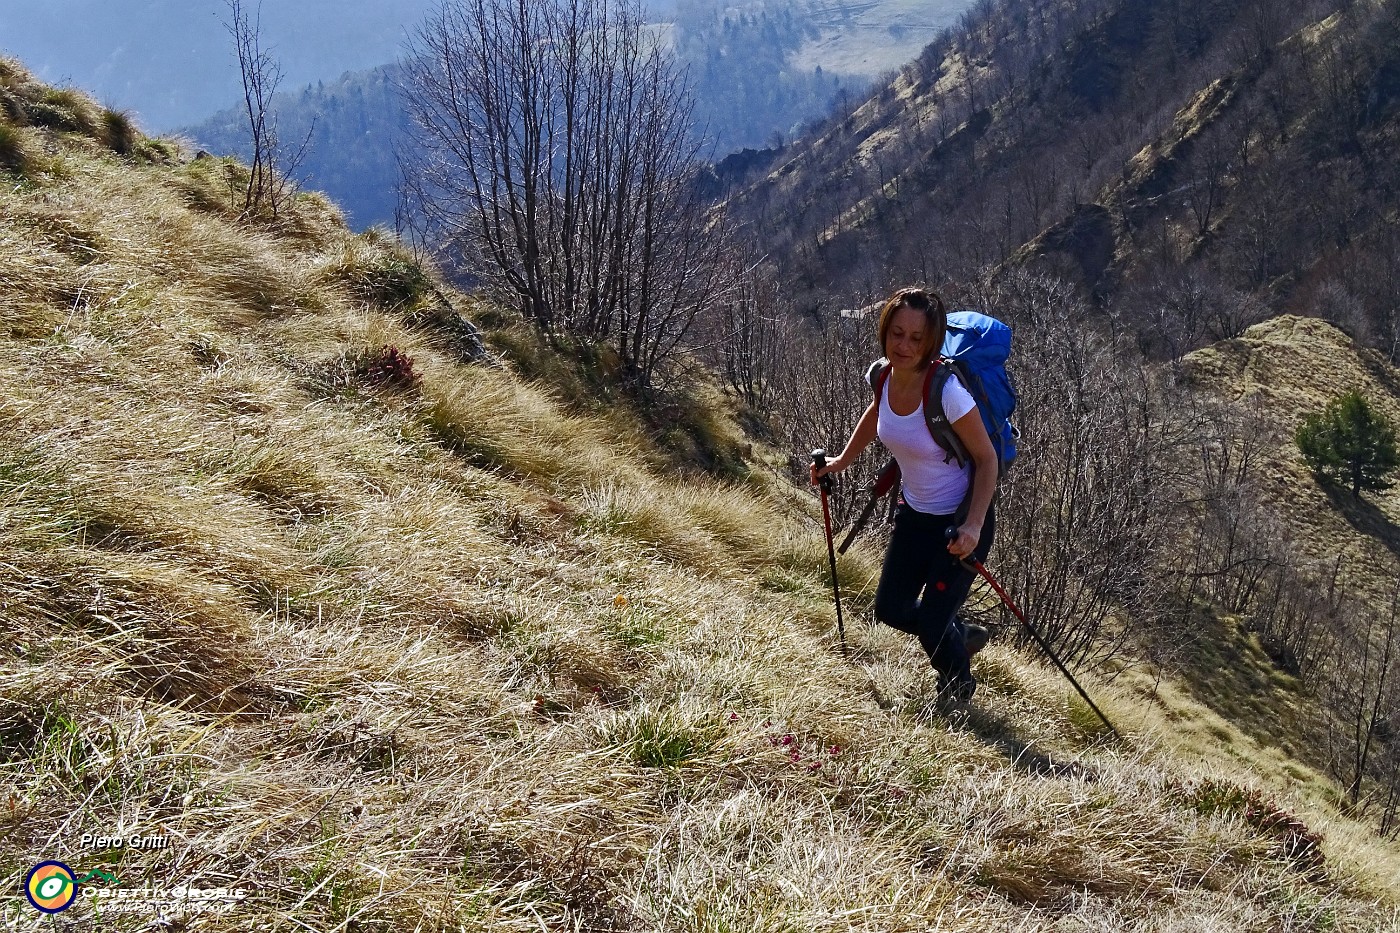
(51, 887)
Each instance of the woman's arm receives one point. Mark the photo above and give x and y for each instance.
(860, 439)
(973, 433)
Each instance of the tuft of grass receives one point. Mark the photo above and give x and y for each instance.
(212, 185)
(1084, 719)
(164, 152)
(999, 674)
(803, 552)
(118, 132)
(281, 478)
(698, 432)
(17, 87)
(311, 219)
(662, 739)
(498, 423)
(636, 628)
(376, 269)
(65, 110)
(16, 154)
(726, 512)
(780, 580)
(12, 108)
(651, 517)
(246, 269)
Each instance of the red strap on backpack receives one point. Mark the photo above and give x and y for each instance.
(884, 374)
(943, 434)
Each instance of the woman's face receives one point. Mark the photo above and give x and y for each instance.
(907, 339)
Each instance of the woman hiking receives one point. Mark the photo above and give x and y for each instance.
(923, 582)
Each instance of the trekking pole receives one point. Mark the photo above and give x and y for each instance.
(819, 461)
(972, 563)
(879, 487)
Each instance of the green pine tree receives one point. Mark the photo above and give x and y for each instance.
(1351, 443)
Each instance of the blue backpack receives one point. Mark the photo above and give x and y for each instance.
(976, 347)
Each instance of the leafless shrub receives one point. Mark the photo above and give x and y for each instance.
(819, 396)
(270, 184)
(1360, 691)
(553, 151)
(1085, 513)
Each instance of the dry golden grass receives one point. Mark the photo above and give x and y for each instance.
(460, 657)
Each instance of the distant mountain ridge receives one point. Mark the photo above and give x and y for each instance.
(1240, 153)
(172, 63)
(756, 71)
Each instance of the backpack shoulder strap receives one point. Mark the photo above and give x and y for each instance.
(937, 419)
(876, 374)
(938, 424)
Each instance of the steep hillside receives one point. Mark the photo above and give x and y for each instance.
(1288, 367)
(1196, 165)
(1308, 575)
(350, 625)
(1281, 370)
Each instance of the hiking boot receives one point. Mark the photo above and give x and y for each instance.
(975, 637)
(957, 693)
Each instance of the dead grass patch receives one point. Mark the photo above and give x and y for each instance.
(459, 656)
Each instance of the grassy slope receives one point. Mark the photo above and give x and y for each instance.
(1271, 376)
(454, 658)
(1283, 369)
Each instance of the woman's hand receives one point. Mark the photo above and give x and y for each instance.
(832, 466)
(860, 439)
(966, 541)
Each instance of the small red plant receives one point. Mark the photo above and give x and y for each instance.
(389, 367)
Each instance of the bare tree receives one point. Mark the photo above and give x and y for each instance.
(751, 341)
(554, 149)
(269, 181)
(1359, 693)
(1205, 192)
(1085, 513)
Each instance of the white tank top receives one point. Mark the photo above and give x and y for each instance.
(929, 484)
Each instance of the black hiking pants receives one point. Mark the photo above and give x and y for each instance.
(922, 587)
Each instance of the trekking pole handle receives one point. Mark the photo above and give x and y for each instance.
(970, 561)
(819, 461)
